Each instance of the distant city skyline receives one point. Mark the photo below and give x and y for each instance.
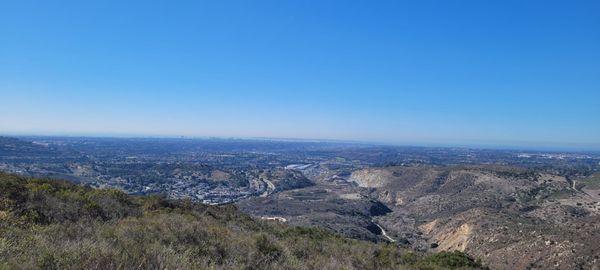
(523, 74)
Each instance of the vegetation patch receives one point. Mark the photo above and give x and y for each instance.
(592, 182)
(47, 224)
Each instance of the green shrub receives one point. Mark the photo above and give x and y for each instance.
(455, 259)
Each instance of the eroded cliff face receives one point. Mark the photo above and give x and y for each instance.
(448, 238)
(371, 178)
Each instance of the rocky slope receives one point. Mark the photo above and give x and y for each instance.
(336, 208)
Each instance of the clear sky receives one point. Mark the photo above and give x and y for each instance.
(425, 72)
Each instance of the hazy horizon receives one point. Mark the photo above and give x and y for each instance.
(517, 146)
(503, 74)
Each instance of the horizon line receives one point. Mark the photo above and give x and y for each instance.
(481, 145)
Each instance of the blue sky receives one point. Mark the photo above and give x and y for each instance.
(521, 73)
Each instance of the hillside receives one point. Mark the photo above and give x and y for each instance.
(48, 224)
(540, 220)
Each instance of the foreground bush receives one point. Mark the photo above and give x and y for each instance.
(46, 224)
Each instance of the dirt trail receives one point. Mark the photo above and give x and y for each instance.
(384, 233)
(270, 188)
